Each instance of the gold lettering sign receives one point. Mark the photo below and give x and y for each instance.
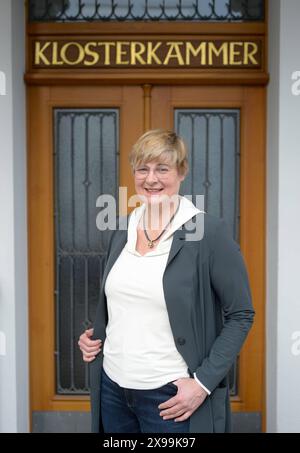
(154, 54)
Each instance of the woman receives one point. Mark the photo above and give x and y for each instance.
(173, 312)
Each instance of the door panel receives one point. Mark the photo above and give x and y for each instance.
(243, 183)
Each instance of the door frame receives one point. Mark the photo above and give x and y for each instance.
(48, 88)
(41, 102)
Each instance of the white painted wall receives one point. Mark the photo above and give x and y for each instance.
(14, 405)
(272, 217)
(283, 308)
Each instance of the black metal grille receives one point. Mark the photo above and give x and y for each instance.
(213, 140)
(147, 10)
(86, 166)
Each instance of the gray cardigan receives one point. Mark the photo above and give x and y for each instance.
(209, 306)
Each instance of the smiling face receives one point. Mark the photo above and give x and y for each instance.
(157, 180)
(159, 163)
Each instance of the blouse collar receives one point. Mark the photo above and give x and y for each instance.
(186, 211)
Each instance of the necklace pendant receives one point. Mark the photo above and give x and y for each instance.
(150, 244)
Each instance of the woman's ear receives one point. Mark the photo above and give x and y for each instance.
(182, 176)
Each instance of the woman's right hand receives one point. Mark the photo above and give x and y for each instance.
(89, 348)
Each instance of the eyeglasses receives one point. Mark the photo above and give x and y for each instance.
(162, 172)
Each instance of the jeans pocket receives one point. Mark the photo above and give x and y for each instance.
(170, 386)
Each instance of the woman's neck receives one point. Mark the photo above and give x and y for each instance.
(158, 215)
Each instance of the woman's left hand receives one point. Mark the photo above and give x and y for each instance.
(189, 397)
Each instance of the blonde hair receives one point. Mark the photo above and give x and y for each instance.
(160, 143)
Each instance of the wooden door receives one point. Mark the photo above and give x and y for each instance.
(60, 121)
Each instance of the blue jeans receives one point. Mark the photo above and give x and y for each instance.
(136, 411)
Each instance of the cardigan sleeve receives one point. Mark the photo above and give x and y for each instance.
(229, 281)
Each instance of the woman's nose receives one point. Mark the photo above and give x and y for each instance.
(151, 176)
